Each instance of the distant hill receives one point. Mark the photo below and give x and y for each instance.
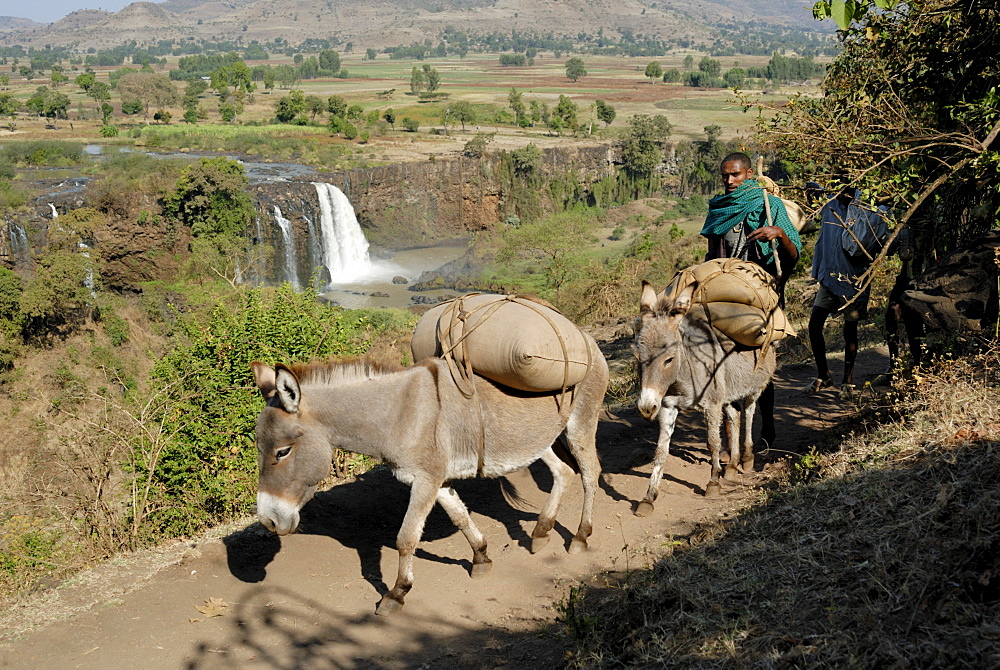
(381, 23)
(15, 23)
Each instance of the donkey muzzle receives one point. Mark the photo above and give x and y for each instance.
(277, 514)
(649, 403)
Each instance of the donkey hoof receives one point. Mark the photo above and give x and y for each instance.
(732, 473)
(388, 606)
(577, 546)
(645, 508)
(538, 543)
(481, 569)
(748, 464)
(713, 490)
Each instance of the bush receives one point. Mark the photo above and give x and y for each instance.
(206, 471)
(42, 153)
(410, 125)
(109, 130)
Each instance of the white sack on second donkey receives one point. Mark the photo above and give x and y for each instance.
(513, 340)
(737, 298)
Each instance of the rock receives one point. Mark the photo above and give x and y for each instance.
(399, 279)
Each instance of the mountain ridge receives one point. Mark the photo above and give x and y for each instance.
(387, 23)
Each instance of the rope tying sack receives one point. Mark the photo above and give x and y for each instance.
(534, 349)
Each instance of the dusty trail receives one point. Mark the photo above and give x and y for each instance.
(308, 600)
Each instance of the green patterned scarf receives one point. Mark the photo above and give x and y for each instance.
(746, 203)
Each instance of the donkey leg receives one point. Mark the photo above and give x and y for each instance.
(459, 515)
(667, 417)
(748, 413)
(422, 496)
(581, 439)
(734, 440)
(561, 475)
(713, 417)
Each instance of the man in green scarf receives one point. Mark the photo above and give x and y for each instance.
(738, 226)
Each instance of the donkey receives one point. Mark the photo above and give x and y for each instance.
(418, 422)
(685, 363)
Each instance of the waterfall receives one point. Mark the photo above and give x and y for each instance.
(88, 279)
(54, 212)
(18, 240)
(288, 239)
(344, 247)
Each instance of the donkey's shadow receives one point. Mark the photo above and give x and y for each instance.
(365, 515)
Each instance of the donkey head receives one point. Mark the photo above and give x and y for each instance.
(293, 451)
(658, 343)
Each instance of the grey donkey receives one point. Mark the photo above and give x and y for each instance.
(685, 363)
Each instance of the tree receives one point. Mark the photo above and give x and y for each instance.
(461, 111)
(910, 113)
(432, 78)
(48, 103)
(336, 105)
(688, 62)
(390, 118)
(315, 105)
(672, 76)
(605, 112)
(85, 81)
(329, 60)
(566, 111)
(558, 244)
(515, 99)
(289, 107)
(654, 71)
(575, 68)
(710, 66)
(149, 89)
(210, 197)
(418, 81)
(642, 152)
(735, 77)
(370, 54)
(8, 104)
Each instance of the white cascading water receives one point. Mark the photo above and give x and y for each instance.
(289, 241)
(18, 239)
(345, 249)
(54, 212)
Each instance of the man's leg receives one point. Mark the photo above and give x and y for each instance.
(818, 344)
(766, 405)
(850, 350)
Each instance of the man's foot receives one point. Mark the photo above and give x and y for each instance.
(817, 385)
(848, 392)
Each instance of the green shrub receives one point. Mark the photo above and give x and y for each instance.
(204, 471)
(42, 153)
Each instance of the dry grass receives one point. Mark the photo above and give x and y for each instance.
(885, 553)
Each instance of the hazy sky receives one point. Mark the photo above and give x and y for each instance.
(47, 11)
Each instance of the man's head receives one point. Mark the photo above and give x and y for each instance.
(845, 192)
(734, 170)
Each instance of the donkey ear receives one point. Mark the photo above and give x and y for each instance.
(683, 301)
(288, 390)
(264, 376)
(647, 301)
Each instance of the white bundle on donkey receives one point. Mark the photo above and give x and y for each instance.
(737, 297)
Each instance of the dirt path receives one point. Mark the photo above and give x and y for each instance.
(307, 600)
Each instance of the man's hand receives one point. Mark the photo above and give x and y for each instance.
(767, 233)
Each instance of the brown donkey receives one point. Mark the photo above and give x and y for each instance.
(419, 423)
(684, 363)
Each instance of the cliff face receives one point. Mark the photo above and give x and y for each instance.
(413, 204)
(397, 206)
(406, 205)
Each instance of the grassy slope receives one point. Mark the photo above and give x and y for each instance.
(882, 551)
